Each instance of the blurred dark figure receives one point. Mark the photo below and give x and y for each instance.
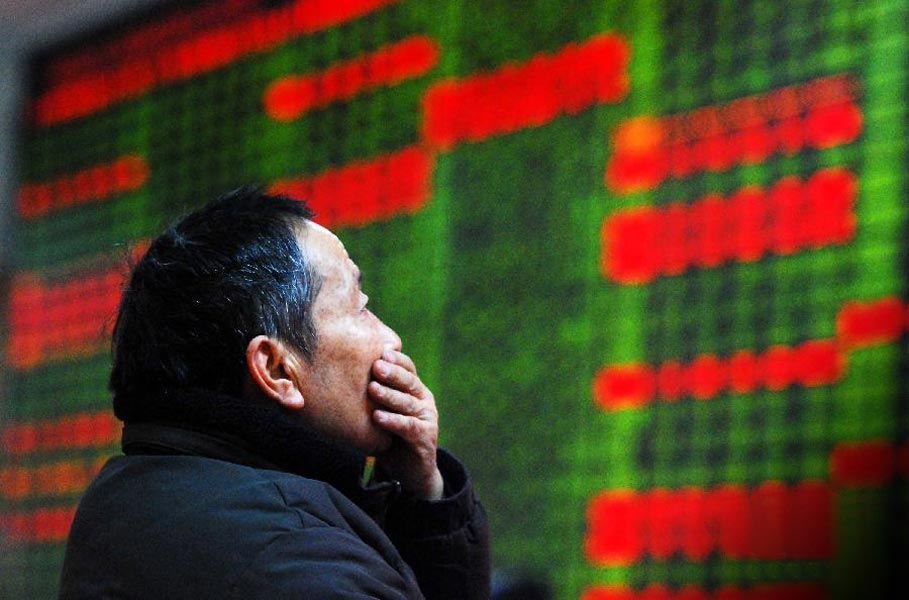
(520, 585)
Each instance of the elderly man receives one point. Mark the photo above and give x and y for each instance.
(253, 382)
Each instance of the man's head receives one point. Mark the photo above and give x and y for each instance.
(246, 296)
(205, 287)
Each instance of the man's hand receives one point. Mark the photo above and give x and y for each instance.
(409, 412)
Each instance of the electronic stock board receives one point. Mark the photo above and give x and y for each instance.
(650, 256)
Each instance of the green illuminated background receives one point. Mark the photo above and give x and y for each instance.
(546, 364)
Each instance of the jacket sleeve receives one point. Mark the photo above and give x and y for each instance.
(446, 542)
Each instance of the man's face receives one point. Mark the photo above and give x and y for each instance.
(350, 339)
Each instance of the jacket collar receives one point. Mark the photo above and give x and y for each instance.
(253, 432)
(140, 438)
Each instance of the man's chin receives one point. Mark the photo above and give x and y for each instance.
(380, 442)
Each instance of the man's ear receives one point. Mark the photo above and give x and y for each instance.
(272, 369)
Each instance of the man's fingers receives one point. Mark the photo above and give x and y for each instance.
(398, 402)
(397, 377)
(405, 427)
(399, 358)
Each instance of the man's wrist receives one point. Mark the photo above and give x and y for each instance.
(415, 517)
(435, 491)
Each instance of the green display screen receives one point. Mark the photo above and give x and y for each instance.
(649, 256)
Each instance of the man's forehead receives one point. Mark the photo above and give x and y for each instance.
(327, 251)
(325, 236)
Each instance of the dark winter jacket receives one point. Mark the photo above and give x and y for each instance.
(196, 511)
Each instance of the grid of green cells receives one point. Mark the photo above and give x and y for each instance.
(780, 299)
(784, 435)
(495, 287)
(84, 230)
(522, 326)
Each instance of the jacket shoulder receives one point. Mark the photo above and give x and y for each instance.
(194, 524)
